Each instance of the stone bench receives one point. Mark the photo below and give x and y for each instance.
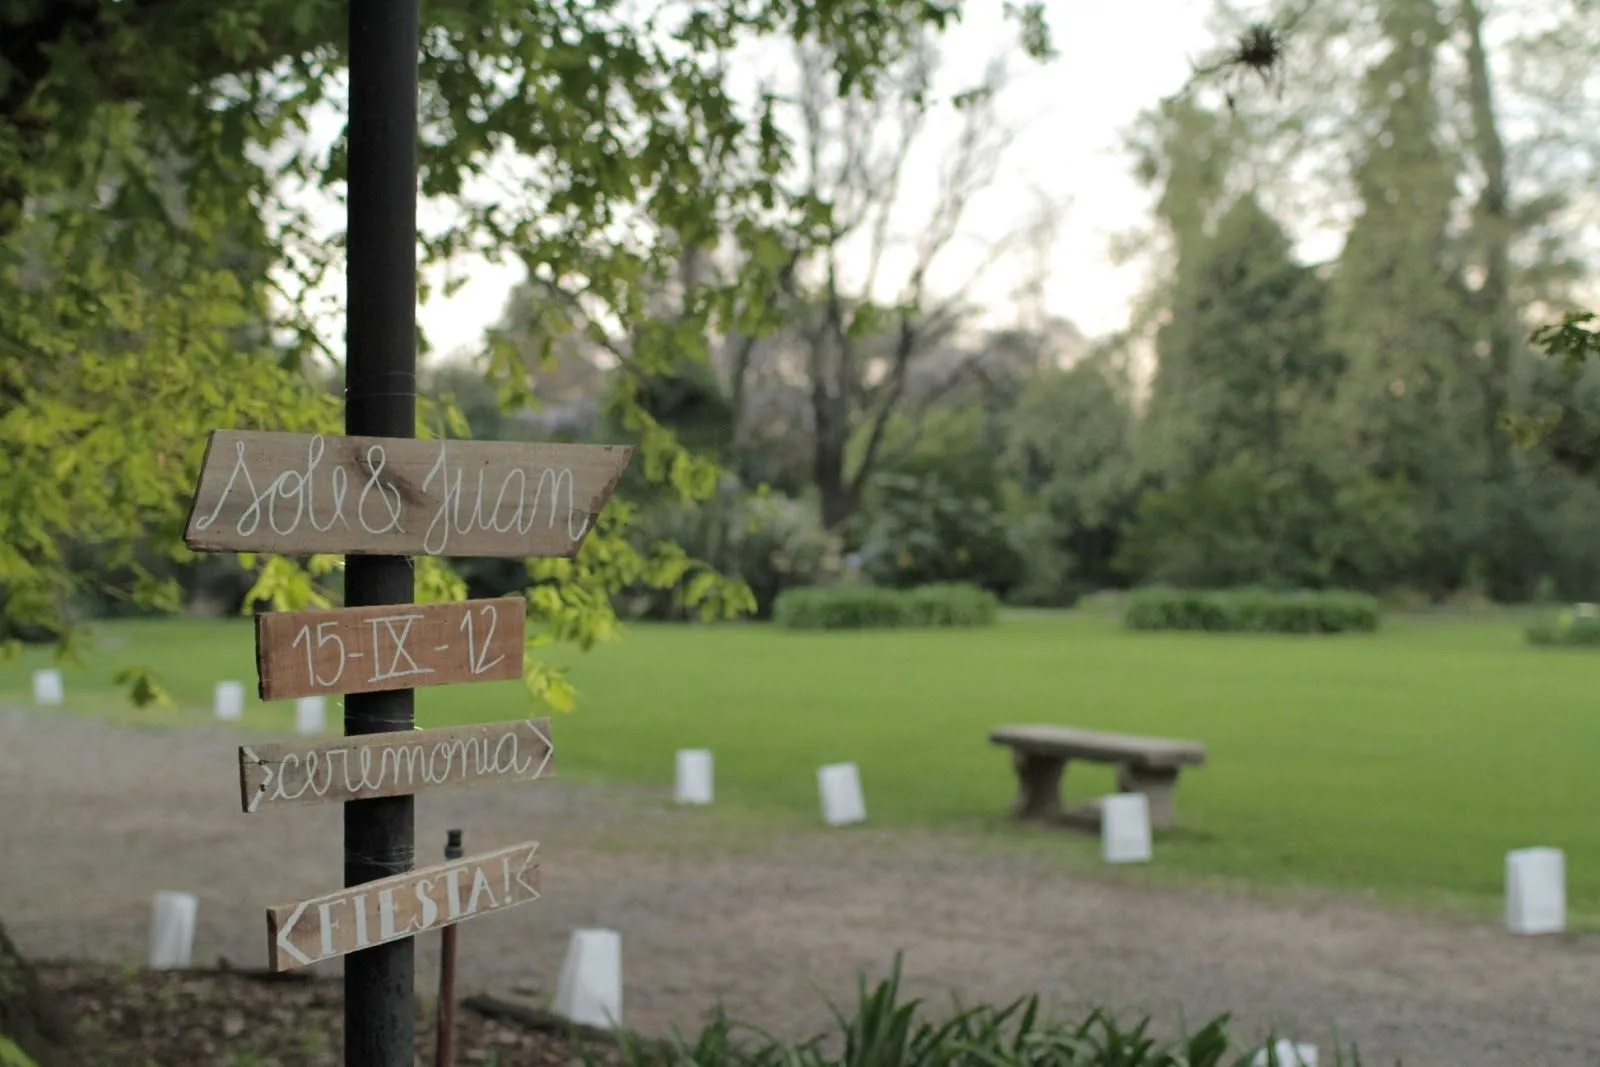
(1147, 765)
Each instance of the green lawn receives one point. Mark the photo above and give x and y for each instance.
(1404, 762)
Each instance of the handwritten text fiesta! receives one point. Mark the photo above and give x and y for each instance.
(398, 768)
(291, 498)
(460, 901)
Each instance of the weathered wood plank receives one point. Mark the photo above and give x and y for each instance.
(401, 906)
(393, 646)
(399, 763)
(302, 493)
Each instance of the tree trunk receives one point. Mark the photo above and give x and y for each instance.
(26, 1017)
(839, 497)
(1497, 315)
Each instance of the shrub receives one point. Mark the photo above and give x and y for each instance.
(841, 607)
(886, 1028)
(918, 530)
(770, 541)
(951, 605)
(1046, 573)
(866, 607)
(1576, 627)
(1252, 611)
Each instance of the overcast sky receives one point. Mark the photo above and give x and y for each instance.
(1115, 59)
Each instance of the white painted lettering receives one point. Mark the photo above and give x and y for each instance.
(480, 884)
(340, 482)
(430, 909)
(294, 490)
(323, 638)
(522, 511)
(291, 763)
(478, 657)
(386, 770)
(359, 905)
(328, 491)
(381, 911)
(239, 467)
(453, 898)
(329, 924)
(398, 764)
(374, 461)
(398, 628)
(352, 785)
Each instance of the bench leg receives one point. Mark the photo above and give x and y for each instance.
(1157, 784)
(1038, 785)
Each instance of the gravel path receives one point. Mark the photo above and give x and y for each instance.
(97, 818)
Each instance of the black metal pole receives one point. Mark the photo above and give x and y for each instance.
(381, 401)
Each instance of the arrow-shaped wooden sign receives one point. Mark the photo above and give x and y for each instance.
(296, 494)
(402, 906)
(397, 763)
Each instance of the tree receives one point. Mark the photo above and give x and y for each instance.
(1457, 226)
(1401, 311)
(144, 148)
(1249, 483)
(1071, 449)
(1495, 228)
(1245, 358)
(859, 359)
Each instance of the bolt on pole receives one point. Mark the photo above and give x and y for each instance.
(380, 401)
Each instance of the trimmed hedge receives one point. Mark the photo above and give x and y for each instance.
(866, 607)
(951, 605)
(1253, 611)
(1576, 627)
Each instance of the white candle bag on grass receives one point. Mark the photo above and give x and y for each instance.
(1536, 891)
(694, 784)
(48, 690)
(1125, 828)
(172, 921)
(840, 787)
(590, 988)
(229, 701)
(310, 716)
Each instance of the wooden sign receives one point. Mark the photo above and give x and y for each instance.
(297, 494)
(393, 764)
(395, 646)
(402, 906)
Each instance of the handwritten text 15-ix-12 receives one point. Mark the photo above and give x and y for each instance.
(362, 650)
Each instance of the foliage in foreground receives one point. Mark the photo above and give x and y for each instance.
(865, 607)
(157, 282)
(12, 1056)
(1575, 627)
(1253, 611)
(889, 1030)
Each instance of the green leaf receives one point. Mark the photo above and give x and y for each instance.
(144, 687)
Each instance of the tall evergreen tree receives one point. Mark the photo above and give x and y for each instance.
(1249, 489)
(1244, 354)
(1400, 312)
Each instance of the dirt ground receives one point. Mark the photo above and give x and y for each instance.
(211, 1018)
(94, 819)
